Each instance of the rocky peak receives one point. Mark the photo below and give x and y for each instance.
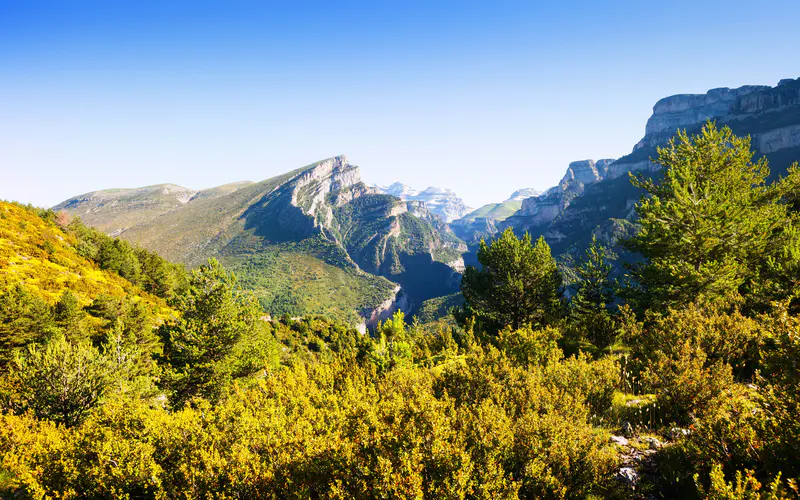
(582, 173)
(313, 185)
(440, 201)
(545, 207)
(398, 189)
(521, 194)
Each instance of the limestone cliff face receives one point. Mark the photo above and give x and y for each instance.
(334, 176)
(543, 209)
(770, 115)
(583, 173)
(679, 111)
(399, 301)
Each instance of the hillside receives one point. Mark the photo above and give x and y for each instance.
(320, 223)
(40, 256)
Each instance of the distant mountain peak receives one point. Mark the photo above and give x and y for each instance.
(441, 202)
(521, 194)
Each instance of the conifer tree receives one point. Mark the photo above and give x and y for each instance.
(518, 284)
(707, 225)
(215, 314)
(594, 294)
(60, 380)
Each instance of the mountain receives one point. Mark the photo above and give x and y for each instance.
(521, 194)
(482, 223)
(115, 210)
(546, 207)
(297, 239)
(441, 202)
(598, 198)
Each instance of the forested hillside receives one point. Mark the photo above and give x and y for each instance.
(679, 381)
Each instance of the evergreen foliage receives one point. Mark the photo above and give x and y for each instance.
(712, 225)
(518, 284)
(590, 307)
(214, 315)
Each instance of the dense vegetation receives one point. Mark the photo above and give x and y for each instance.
(299, 279)
(681, 381)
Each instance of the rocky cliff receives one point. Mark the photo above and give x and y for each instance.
(768, 114)
(546, 207)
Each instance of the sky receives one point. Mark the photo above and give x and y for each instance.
(480, 97)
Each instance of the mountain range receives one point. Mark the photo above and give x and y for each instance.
(441, 202)
(317, 240)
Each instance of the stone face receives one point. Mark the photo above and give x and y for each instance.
(671, 113)
(584, 172)
(540, 209)
(619, 440)
(629, 476)
(774, 140)
(603, 166)
(544, 208)
(312, 187)
(596, 198)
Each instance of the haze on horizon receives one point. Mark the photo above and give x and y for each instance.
(481, 98)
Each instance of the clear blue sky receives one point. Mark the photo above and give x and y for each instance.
(481, 97)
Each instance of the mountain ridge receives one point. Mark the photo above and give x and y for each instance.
(321, 219)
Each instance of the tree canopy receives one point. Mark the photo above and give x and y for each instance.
(518, 283)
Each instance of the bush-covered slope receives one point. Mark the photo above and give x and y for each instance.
(301, 279)
(48, 259)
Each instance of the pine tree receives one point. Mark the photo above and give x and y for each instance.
(519, 283)
(24, 318)
(215, 314)
(594, 294)
(707, 225)
(60, 380)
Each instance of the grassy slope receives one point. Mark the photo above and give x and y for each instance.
(494, 211)
(42, 257)
(201, 228)
(124, 208)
